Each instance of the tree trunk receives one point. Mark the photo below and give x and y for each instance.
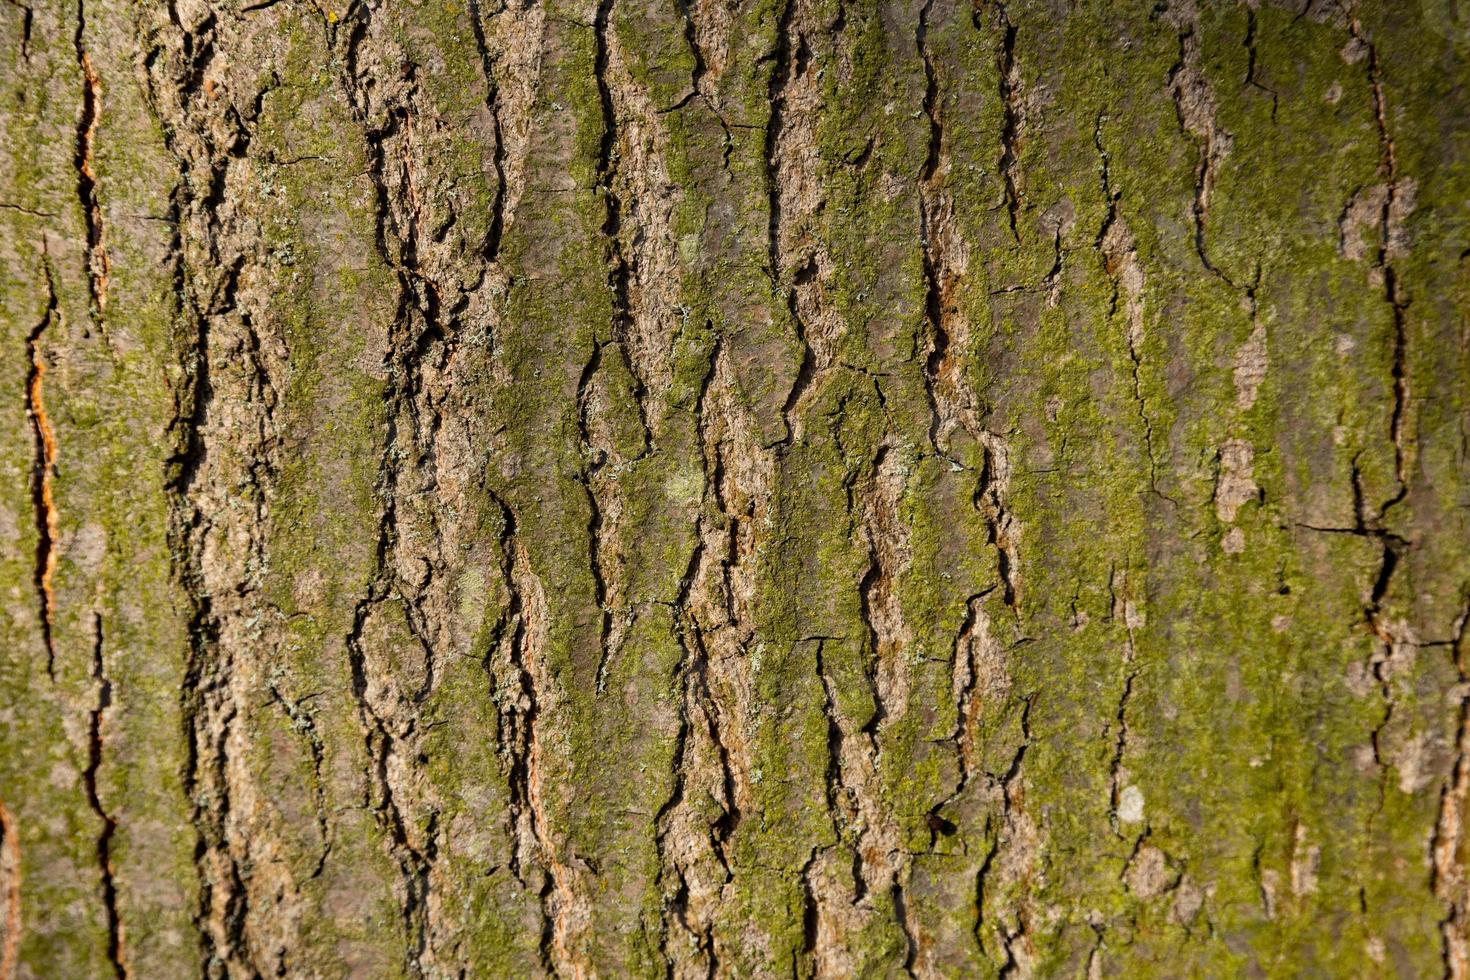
(635, 487)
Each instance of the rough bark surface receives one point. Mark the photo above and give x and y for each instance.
(734, 488)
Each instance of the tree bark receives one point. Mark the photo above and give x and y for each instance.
(734, 488)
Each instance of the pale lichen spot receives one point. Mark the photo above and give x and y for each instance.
(1188, 900)
(1236, 485)
(1233, 543)
(1358, 227)
(1270, 884)
(472, 598)
(1250, 367)
(1401, 204)
(1304, 861)
(1130, 805)
(1149, 873)
(62, 776)
(685, 485)
(1415, 765)
(689, 248)
(1360, 680)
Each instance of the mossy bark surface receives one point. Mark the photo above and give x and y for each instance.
(734, 487)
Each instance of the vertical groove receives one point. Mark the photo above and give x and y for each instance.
(620, 271)
(595, 478)
(387, 118)
(220, 361)
(1392, 290)
(521, 640)
(96, 719)
(1447, 872)
(27, 24)
(98, 264)
(1009, 75)
(699, 723)
(595, 460)
(935, 362)
(492, 103)
(43, 469)
(1004, 828)
(1119, 252)
(10, 871)
(780, 79)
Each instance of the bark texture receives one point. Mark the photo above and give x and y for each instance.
(734, 488)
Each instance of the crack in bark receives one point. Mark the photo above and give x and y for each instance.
(96, 719)
(186, 522)
(878, 860)
(1390, 638)
(620, 271)
(697, 79)
(1119, 253)
(1004, 826)
(1122, 610)
(302, 720)
(1386, 633)
(414, 863)
(693, 670)
(602, 491)
(1447, 873)
(591, 481)
(21, 209)
(945, 258)
(1194, 108)
(43, 470)
(911, 942)
(424, 336)
(783, 72)
(776, 94)
(1120, 745)
(881, 611)
(974, 649)
(27, 23)
(510, 635)
(842, 791)
(492, 103)
(1392, 292)
(1009, 75)
(191, 414)
(679, 826)
(99, 265)
(10, 872)
(810, 911)
(806, 372)
(519, 640)
(220, 473)
(1251, 81)
(936, 358)
(989, 500)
